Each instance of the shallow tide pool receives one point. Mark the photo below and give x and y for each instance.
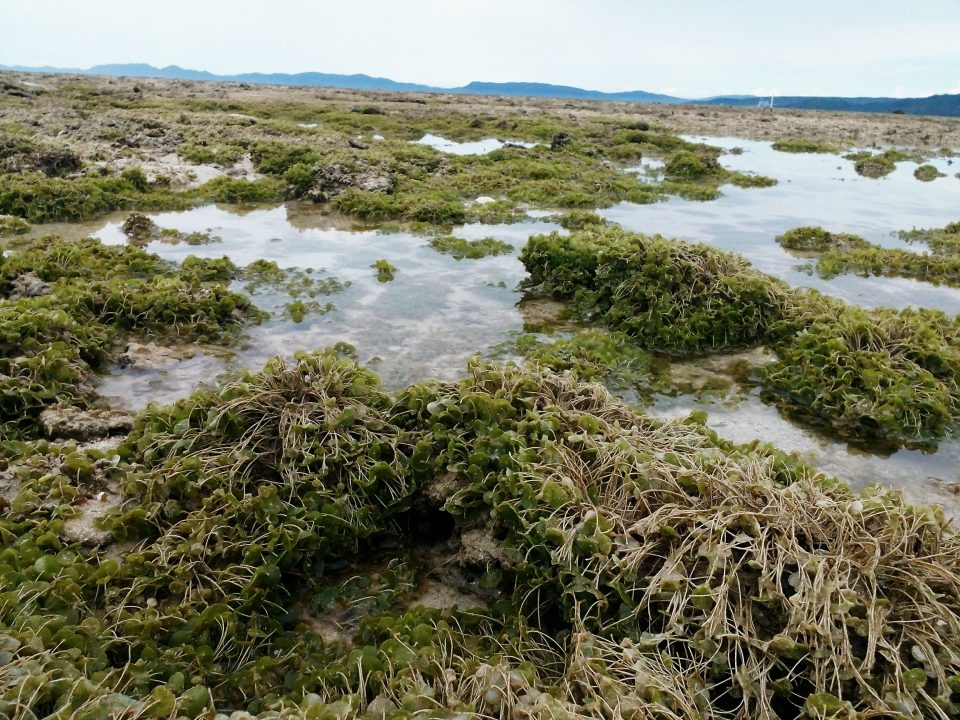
(438, 311)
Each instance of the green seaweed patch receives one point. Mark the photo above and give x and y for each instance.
(621, 554)
(598, 356)
(816, 239)
(872, 376)
(803, 145)
(12, 225)
(579, 219)
(927, 173)
(386, 271)
(891, 262)
(68, 306)
(842, 253)
(675, 298)
(877, 165)
(303, 286)
(461, 249)
(944, 241)
(204, 152)
(41, 199)
(237, 191)
(141, 231)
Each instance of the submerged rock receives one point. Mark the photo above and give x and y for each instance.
(69, 422)
(83, 527)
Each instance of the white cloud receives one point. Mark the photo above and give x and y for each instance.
(698, 46)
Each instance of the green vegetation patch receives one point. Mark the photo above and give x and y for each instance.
(67, 306)
(386, 271)
(12, 225)
(612, 358)
(618, 556)
(841, 253)
(674, 298)
(803, 145)
(927, 173)
(816, 239)
(872, 376)
(877, 165)
(303, 287)
(877, 375)
(462, 249)
(944, 241)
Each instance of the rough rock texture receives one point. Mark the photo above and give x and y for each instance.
(68, 422)
(82, 528)
(148, 356)
(331, 180)
(28, 285)
(479, 549)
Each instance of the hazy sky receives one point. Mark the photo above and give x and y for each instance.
(691, 48)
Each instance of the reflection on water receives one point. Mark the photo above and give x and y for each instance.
(478, 147)
(813, 189)
(424, 324)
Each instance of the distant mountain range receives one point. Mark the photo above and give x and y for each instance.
(946, 105)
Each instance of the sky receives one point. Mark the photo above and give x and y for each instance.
(688, 48)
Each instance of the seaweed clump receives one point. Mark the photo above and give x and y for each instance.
(840, 253)
(874, 376)
(303, 287)
(386, 271)
(816, 239)
(675, 298)
(877, 165)
(67, 306)
(638, 568)
(461, 249)
(927, 173)
(803, 145)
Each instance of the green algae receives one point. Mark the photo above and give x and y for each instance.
(597, 356)
(841, 253)
(675, 298)
(302, 286)
(876, 165)
(803, 145)
(627, 555)
(872, 376)
(386, 271)
(11, 225)
(816, 239)
(461, 249)
(89, 298)
(944, 241)
(927, 173)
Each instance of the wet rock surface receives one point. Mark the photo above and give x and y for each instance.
(331, 180)
(28, 285)
(69, 422)
(146, 356)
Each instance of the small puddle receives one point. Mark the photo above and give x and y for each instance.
(813, 189)
(425, 324)
(477, 147)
